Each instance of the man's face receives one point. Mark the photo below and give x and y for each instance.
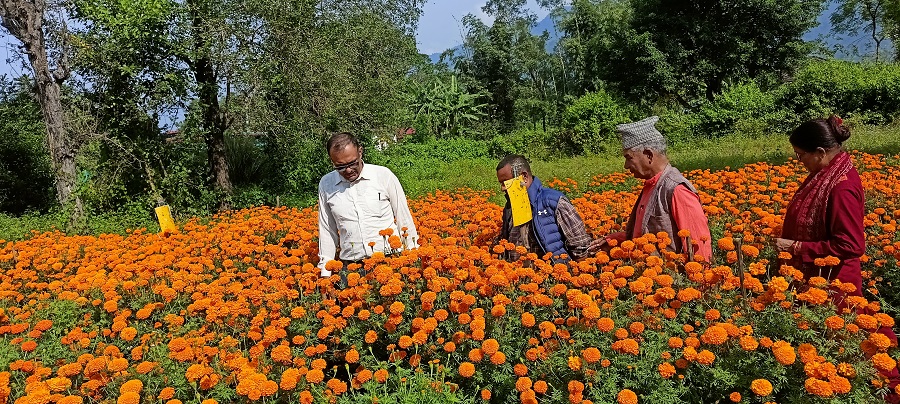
(506, 173)
(347, 161)
(639, 163)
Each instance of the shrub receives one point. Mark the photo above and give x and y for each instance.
(844, 88)
(591, 120)
(536, 144)
(741, 108)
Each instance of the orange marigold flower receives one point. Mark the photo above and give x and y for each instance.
(834, 322)
(626, 397)
(666, 370)
(520, 369)
(466, 369)
(523, 383)
(489, 346)
(381, 375)
(352, 356)
(706, 357)
(498, 358)
(166, 393)
(818, 387)
(574, 363)
(591, 355)
(839, 384)
(133, 385)
(761, 387)
(605, 324)
(714, 335)
(884, 362)
(129, 398)
(528, 319)
(118, 365)
(315, 376)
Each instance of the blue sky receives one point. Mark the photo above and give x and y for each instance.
(440, 26)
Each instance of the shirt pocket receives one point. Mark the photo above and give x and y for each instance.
(375, 202)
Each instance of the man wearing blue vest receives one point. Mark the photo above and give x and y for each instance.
(555, 227)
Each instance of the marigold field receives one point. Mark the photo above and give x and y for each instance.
(231, 309)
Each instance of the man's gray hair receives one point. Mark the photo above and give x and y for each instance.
(658, 146)
(516, 162)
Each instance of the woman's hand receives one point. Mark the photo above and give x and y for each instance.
(783, 244)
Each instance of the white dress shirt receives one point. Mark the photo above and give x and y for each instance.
(352, 214)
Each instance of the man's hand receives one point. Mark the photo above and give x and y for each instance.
(596, 246)
(783, 244)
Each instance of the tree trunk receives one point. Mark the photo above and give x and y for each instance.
(214, 122)
(25, 20)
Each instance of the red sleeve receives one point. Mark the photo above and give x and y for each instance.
(844, 216)
(688, 214)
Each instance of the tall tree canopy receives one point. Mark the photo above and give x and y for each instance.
(687, 49)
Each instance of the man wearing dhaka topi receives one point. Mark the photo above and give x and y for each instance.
(668, 202)
(357, 203)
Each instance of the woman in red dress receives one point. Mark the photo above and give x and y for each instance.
(825, 217)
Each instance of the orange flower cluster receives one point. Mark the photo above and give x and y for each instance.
(235, 304)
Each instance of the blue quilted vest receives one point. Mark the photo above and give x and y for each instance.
(543, 212)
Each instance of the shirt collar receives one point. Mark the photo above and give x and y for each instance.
(365, 174)
(652, 181)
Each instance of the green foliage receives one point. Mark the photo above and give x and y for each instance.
(447, 108)
(26, 182)
(689, 49)
(520, 78)
(742, 108)
(591, 120)
(845, 88)
(535, 144)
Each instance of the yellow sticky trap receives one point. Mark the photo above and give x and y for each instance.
(518, 200)
(166, 224)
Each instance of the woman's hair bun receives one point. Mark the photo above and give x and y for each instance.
(841, 132)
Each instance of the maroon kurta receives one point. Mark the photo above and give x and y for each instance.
(845, 237)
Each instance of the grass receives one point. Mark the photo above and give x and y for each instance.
(426, 176)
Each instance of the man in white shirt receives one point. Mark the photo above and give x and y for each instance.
(356, 202)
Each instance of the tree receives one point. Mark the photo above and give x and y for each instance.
(127, 59)
(853, 16)
(26, 21)
(689, 49)
(509, 63)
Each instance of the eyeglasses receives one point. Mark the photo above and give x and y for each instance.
(344, 167)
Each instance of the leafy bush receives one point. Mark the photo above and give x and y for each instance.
(452, 149)
(741, 108)
(844, 88)
(536, 144)
(591, 120)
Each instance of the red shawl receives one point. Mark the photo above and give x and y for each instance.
(805, 216)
